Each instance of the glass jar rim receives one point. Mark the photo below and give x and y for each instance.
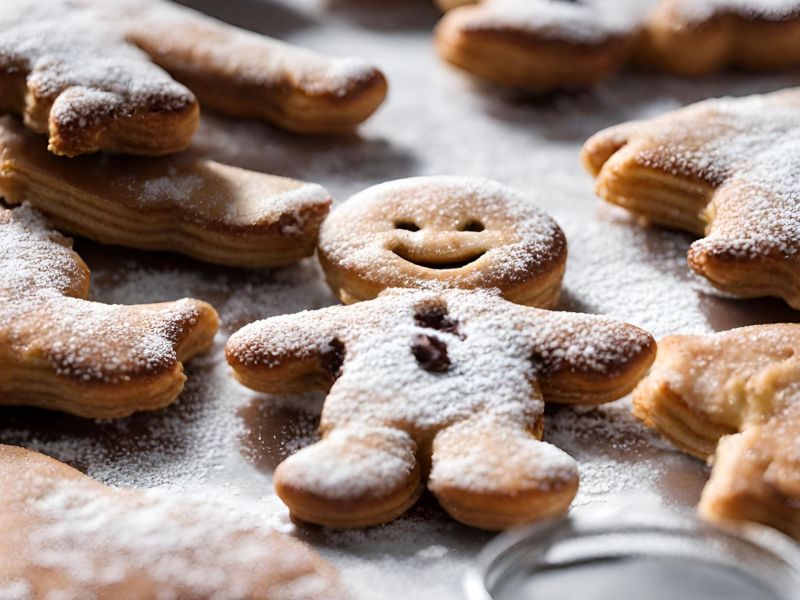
(645, 531)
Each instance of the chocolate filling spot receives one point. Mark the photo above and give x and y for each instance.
(436, 317)
(332, 358)
(431, 353)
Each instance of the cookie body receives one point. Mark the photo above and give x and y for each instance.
(69, 536)
(62, 352)
(445, 387)
(734, 396)
(723, 168)
(75, 79)
(184, 203)
(443, 232)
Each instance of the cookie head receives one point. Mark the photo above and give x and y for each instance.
(443, 232)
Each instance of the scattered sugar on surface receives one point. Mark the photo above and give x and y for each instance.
(532, 146)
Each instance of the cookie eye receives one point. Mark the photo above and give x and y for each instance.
(472, 225)
(406, 225)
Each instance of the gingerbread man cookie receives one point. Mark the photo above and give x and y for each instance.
(60, 351)
(542, 45)
(446, 386)
(435, 232)
(67, 536)
(735, 393)
(77, 80)
(184, 203)
(723, 168)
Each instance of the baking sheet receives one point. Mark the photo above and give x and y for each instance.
(223, 440)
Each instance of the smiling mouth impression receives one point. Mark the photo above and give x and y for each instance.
(440, 259)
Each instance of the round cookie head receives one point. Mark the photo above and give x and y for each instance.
(443, 233)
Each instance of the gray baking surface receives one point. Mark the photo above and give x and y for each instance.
(223, 441)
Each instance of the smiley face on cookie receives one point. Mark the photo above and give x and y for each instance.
(443, 232)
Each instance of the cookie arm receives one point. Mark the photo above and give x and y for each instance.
(101, 361)
(587, 359)
(184, 203)
(288, 354)
(244, 74)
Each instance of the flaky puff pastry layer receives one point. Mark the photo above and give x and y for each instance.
(66, 535)
(734, 396)
(62, 352)
(440, 388)
(724, 168)
(184, 203)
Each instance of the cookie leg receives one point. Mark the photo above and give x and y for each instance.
(353, 477)
(756, 477)
(493, 473)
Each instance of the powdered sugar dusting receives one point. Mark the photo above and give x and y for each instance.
(80, 339)
(493, 349)
(747, 148)
(696, 11)
(82, 63)
(515, 243)
(96, 539)
(585, 22)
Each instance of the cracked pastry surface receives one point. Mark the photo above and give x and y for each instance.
(545, 45)
(66, 535)
(443, 386)
(734, 396)
(723, 168)
(63, 352)
(443, 232)
(185, 203)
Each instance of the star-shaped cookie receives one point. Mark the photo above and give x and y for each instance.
(734, 396)
(724, 168)
(60, 351)
(447, 386)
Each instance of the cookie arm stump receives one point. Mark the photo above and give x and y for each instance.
(283, 355)
(604, 360)
(243, 74)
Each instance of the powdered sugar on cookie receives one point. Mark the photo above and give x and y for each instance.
(698, 11)
(433, 367)
(443, 232)
(746, 148)
(80, 77)
(586, 22)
